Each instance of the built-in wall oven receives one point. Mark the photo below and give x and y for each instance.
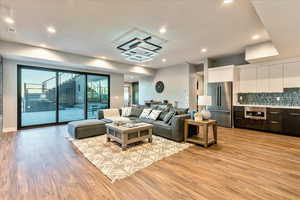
(258, 113)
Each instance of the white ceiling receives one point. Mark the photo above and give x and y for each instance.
(282, 20)
(88, 27)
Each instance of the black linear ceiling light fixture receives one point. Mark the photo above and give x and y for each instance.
(139, 46)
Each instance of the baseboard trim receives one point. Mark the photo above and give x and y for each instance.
(12, 129)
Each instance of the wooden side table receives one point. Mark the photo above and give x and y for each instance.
(205, 124)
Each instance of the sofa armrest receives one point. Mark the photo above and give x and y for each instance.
(178, 126)
(101, 114)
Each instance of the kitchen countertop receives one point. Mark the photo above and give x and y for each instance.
(269, 106)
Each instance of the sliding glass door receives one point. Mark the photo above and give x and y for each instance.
(71, 96)
(97, 94)
(50, 96)
(38, 97)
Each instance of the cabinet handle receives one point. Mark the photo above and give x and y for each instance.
(274, 122)
(239, 118)
(294, 114)
(274, 113)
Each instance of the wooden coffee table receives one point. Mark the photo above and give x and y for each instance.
(127, 135)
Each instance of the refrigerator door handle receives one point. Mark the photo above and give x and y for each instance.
(220, 96)
(217, 96)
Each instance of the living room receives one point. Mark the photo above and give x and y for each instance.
(99, 103)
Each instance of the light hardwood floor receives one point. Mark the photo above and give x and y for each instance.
(40, 164)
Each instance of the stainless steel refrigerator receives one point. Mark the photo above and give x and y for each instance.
(221, 108)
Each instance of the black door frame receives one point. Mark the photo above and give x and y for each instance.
(19, 92)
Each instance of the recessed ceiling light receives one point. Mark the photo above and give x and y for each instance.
(9, 20)
(255, 37)
(164, 60)
(204, 50)
(51, 29)
(103, 57)
(43, 45)
(162, 30)
(228, 1)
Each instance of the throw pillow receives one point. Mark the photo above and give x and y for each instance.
(126, 111)
(154, 114)
(163, 113)
(169, 116)
(145, 113)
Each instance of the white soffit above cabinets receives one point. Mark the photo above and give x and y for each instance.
(281, 19)
(260, 52)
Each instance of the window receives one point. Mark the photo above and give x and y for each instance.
(97, 94)
(38, 97)
(71, 101)
(49, 96)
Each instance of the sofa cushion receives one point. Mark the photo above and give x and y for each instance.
(169, 116)
(84, 123)
(136, 111)
(145, 113)
(150, 121)
(162, 124)
(154, 114)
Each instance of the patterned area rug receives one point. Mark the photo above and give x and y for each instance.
(117, 164)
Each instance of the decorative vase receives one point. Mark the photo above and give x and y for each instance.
(206, 115)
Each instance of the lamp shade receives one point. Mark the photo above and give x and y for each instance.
(204, 100)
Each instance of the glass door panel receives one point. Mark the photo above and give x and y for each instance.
(38, 97)
(71, 96)
(97, 94)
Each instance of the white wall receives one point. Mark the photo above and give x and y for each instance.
(176, 80)
(10, 90)
(146, 89)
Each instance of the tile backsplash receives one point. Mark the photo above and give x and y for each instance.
(290, 97)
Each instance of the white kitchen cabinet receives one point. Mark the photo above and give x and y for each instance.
(247, 77)
(291, 75)
(275, 78)
(221, 74)
(262, 80)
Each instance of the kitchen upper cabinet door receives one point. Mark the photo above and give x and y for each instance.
(262, 80)
(276, 78)
(221, 74)
(248, 80)
(292, 75)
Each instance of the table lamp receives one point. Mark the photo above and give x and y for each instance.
(205, 101)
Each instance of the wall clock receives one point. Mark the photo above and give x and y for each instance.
(159, 86)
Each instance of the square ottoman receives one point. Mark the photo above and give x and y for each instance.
(86, 128)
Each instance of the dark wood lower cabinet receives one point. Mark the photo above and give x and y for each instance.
(284, 121)
(291, 122)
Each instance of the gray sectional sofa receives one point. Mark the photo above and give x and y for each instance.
(173, 130)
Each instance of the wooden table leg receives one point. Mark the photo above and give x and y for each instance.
(186, 131)
(205, 132)
(215, 131)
